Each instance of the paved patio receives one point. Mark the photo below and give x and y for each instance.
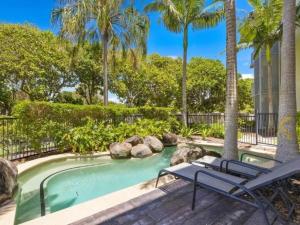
(171, 205)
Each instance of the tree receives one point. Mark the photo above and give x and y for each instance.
(261, 31)
(231, 108)
(107, 22)
(288, 146)
(178, 16)
(206, 85)
(154, 82)
(69, 97)
(87, 69)
(33, 61)
(246, 103)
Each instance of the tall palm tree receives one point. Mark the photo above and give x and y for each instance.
(288, 146)
(231, 108)
(261, 31)
(107, 21)
(178, 16)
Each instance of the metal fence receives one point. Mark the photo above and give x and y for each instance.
(260, 128)
(253, 129)
(15, 144)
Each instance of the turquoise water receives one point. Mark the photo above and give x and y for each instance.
(75, 186)
(82, 184)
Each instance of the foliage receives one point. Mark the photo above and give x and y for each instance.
(154, 82)
(86, 64)
(187, 132)
(89, 138)
(33, 61)
(95, 136)
(69, 97)
(206, 85)
(43, 120)
(110, 23)
(246, 101)
(261, 29)
(180, 15)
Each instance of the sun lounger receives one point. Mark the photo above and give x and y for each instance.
(237, 188)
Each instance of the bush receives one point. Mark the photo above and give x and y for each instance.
(42, 121)
(95, 136)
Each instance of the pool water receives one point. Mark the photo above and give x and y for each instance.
(106, 176)
(77, 185)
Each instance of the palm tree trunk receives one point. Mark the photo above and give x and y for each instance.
(105, 69)
(270, 97)
(288, 146)
(184, 76)
(231, 110)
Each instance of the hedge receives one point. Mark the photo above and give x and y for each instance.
(75, 115)
(44, 121)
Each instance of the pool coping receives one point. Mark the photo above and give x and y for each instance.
(88, 208)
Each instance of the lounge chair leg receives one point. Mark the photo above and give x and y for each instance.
(194, 196)
(157, 179)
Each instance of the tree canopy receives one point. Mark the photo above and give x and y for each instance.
(33, 61)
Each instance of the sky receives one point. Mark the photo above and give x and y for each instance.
(209, 43)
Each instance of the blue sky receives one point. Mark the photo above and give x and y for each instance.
(208, 43)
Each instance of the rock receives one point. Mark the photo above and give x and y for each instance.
(154, 143)
(8, 179)
(134, 140)
(187, 153)
(215, 154)
(169, 139)
(120, 150)
(141, 151)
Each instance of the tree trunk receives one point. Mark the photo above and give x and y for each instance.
(270, 98)
(184, 76)
(288, 146)
(105, 69)
(231, 109)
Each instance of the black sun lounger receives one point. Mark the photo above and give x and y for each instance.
(237, 188)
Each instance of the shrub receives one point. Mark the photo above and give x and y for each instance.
(42, 121)
(96, 136)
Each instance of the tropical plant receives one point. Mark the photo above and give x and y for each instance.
(288, 147)
(261, 31)
(231, 108)
(108, 22)
(33, 62)
(178, 16)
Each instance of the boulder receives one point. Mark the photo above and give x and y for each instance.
(134, 140)
(187, 153)
(120, 150)
(215, 154)
(8, 179)
(141, 151)
(169, 139)
(154, 143)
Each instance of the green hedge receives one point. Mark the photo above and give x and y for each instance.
(44, 121)
(75, 115)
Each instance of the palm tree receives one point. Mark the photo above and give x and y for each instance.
(261, 31)
(178, 16)
(288, 146)
(106, 21)
(231, 108)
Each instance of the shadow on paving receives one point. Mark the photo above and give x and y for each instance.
(171, 205)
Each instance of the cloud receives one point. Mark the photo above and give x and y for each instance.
(247, 76)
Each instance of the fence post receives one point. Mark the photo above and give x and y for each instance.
(256, 126)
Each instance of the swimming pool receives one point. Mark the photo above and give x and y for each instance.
(80, 179)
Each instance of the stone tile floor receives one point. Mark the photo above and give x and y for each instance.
(171, 205)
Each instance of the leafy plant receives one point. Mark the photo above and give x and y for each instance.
(187, 131)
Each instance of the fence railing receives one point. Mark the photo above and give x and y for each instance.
(253, 129)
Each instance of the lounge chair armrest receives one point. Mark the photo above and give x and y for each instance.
(258, 156)
(242, 187)
(253, 167)
(203, 163)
